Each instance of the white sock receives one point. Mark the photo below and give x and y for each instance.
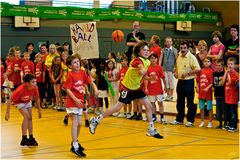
(99, 118)
(75, 145)
(151, 126)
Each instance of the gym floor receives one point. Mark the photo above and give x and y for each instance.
(115, 138)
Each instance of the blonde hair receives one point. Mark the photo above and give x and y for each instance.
(53, 46)
(156, 38)
(203, 42)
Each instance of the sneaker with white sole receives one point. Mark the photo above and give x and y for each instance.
(176, 123)
(93, 125)
(209, 125)
(189, 124)
(154, 133)
(122, 115)
(162, 121)
(201, 124)
(115, 114)
(232, 130)
(128, 115)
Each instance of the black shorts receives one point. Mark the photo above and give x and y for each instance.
(126, 96)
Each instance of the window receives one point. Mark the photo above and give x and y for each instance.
(15, 2)
(75, 3)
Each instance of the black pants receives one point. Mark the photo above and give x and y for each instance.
(231, 115)
(185, 89)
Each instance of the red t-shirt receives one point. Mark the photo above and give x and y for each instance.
(204, 79)
(23, 95)
(39, 69)
(17, 68)
(76, 82)
(27, 67)
(9, 71)
(2, 72)
(157, 50)
(231, 88)
(121, 75)
(155, 87)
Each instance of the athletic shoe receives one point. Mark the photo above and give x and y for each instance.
(139, 117)
(226, 127)
(115, 114)
(128, 115)
(176, 123)
(162, 120)
(144, 118)
(154, 133)
(209, 125)
(86, 123)
(122, 115)
(219, 127)
(189, 124)
(154, 119)
(79, 145)
(32, 142)
(65, 120)
(232, 130)
(78, 152)
(93, 125)
(25, 142)
(133, 117)
(201, 124)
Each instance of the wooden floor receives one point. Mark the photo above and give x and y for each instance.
(115, 138)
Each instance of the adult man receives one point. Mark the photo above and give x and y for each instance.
(133, 38)
(232, 45)
(186, 68)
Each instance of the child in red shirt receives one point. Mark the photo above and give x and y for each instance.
(74, 86)
(27, 67)
(40, 76)
(17, 66)
(231, 81)
(204, 88)
(121, 74)
(156, 49)
(21, 97)
(154, 88)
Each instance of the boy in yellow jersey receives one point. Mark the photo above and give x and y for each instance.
(133, 89)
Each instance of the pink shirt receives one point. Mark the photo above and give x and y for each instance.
(215, 51)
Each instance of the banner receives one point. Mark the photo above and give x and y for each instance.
(104, 14)
(84, 39)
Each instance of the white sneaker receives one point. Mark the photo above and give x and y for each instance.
(154, 133)
(122, 115)
(128, 115)
(93, 125)
(189, 124)
(144, 118)
(115, 114)
(176, 122)
(162, 121)
(201, 124)
(209, 125)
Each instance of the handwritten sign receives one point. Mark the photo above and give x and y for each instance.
(84, 40)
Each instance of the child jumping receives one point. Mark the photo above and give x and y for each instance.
(132, 82)
(21, 97)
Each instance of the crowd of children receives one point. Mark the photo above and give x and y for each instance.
(65, 82)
